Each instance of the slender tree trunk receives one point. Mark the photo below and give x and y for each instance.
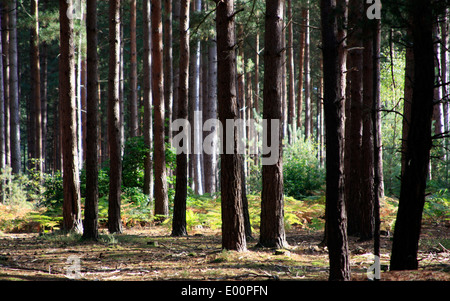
(179, 210)
(308, 115)
(210, 108)
(2, 115)
(114, 119)
(133, 73)
(91, 202)
(147, 99)
(168, 68)
(445, 79)
(6, 82)
(36, 84)
(161, 198)
(14, 89)
(233, 230)
(44, 98)
(44, 103)
(334, 121)
(196, 169)
(72, 199)
(290, 67)
(301, 66)
(272, 233)
(412, 191)
(256, 98)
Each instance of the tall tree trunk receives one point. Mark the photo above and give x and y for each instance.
(367, 149)
(272, 233)
(233, 230)
(355, 55)
(301, 66)
(91, 203)
(168, 68)
(378, 191)
(147, 99)
(133, 73)
(6, 82)
(36, 87)
(210, 108)
(445, 79)
(412, 191)
(44, 103)
(196, 167)
(334, 122)
(179, 210)
(3, 141)
(290, 67)
(72, 199)
(257, 50)
(14, 89)
(308, 115)
(114, 119)
(161, 198)
(408, 89)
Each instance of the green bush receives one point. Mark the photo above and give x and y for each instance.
(302, 171)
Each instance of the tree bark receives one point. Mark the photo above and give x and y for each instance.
(179, 202)
(91, 202)
(272, 233)
(161, 198)
(233, 230)
(114, 119)
(412, 191)
(72, 199)
(334, 123)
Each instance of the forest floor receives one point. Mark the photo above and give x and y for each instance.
(150, 253)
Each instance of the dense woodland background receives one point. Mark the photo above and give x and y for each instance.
(86, 105)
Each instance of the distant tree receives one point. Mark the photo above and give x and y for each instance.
(71, 186)
(168, 68)
(133, 72)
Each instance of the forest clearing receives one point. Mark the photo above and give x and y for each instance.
(225, 140)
